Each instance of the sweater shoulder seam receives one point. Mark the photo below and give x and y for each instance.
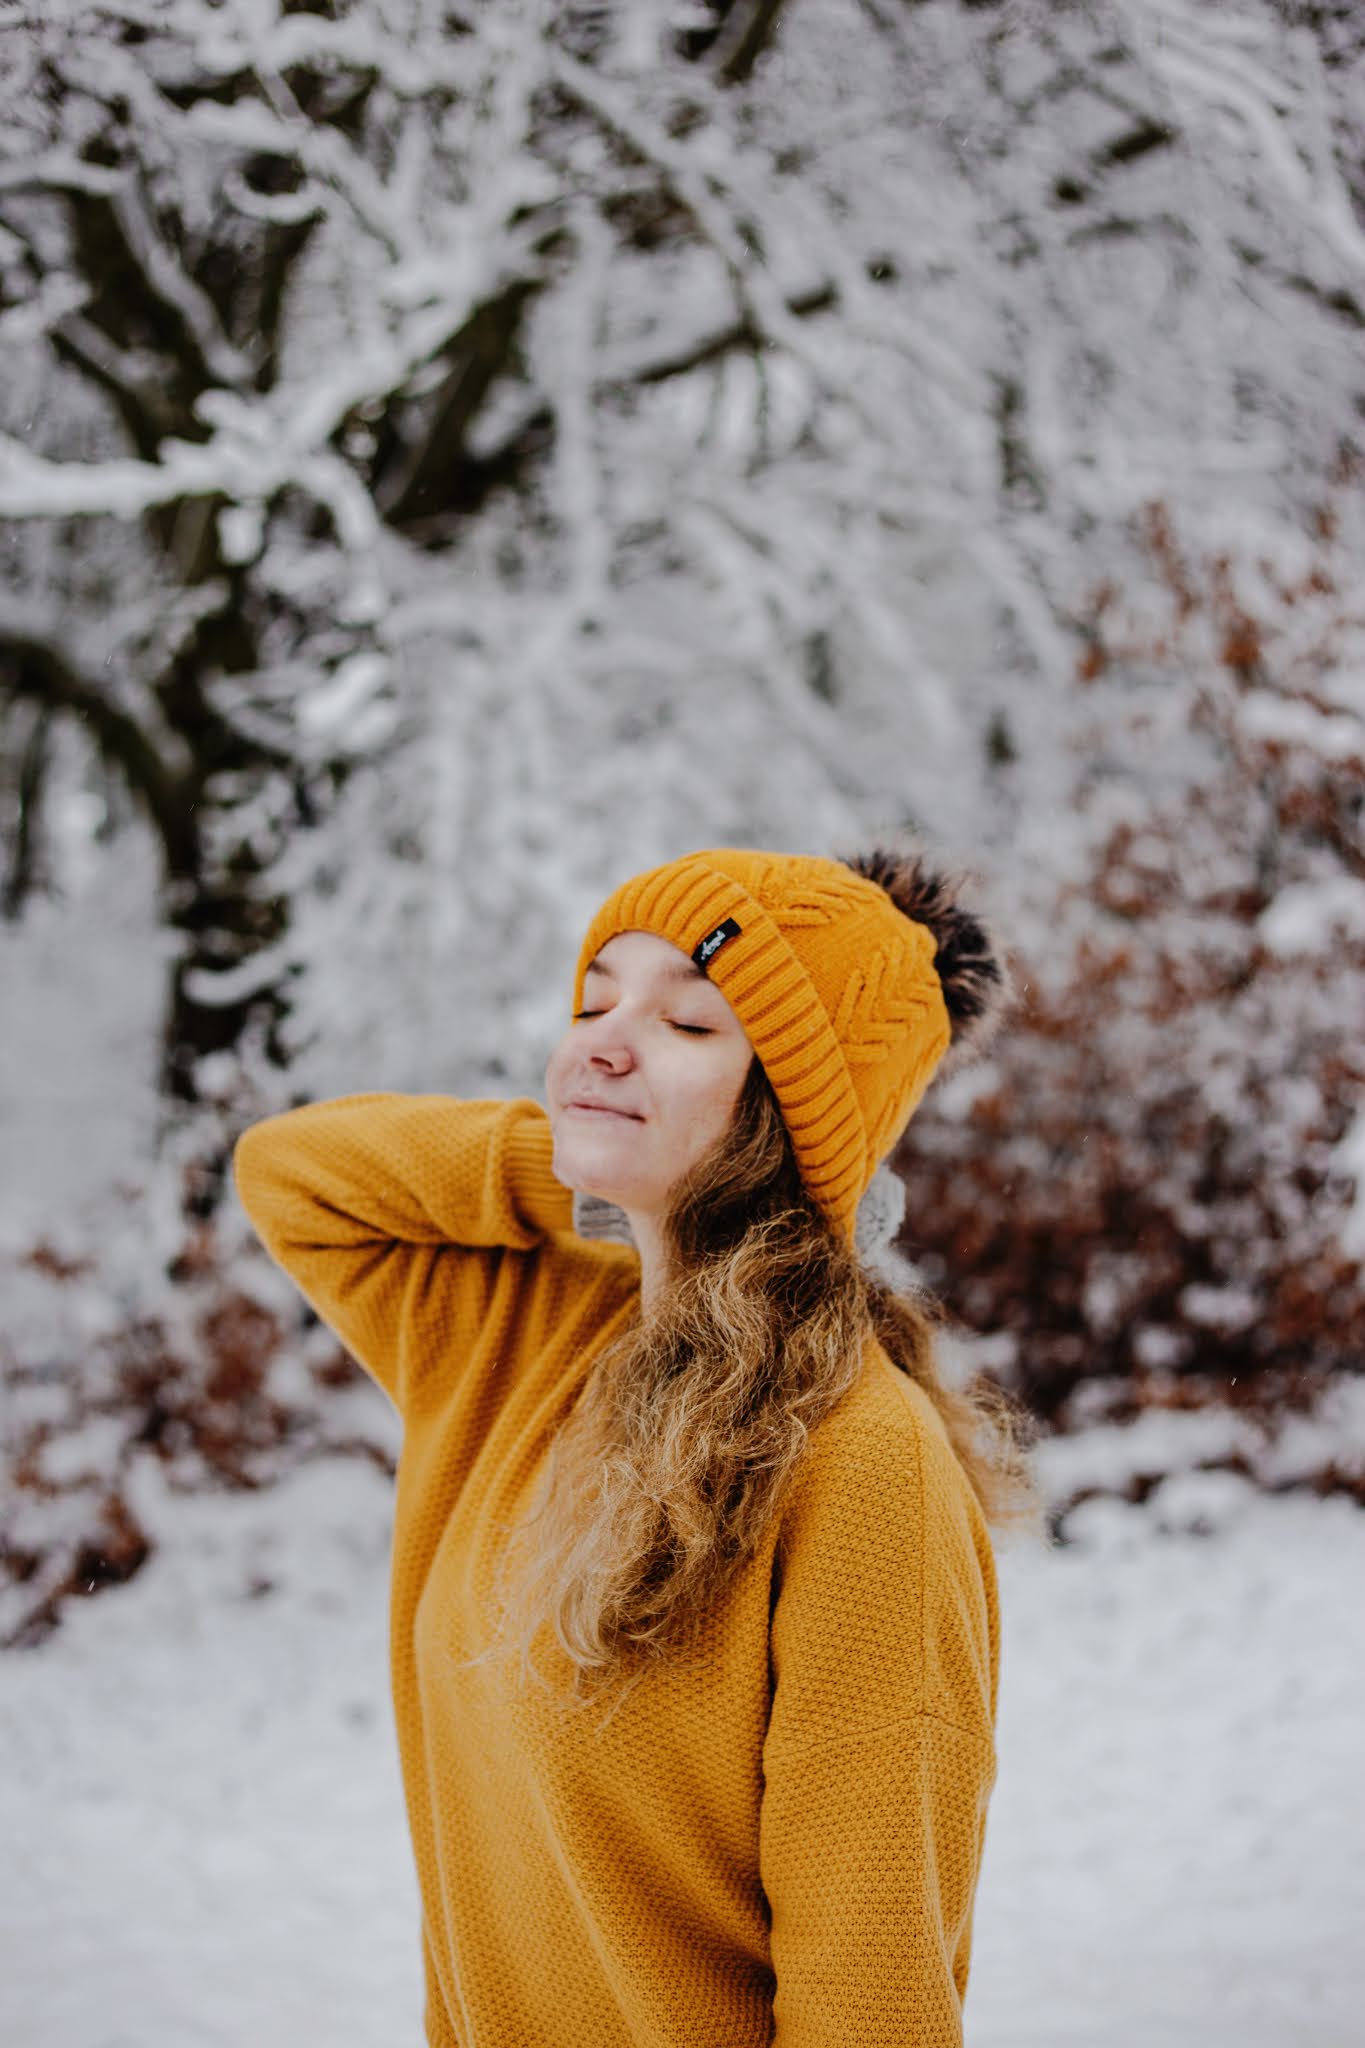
(855, 1737)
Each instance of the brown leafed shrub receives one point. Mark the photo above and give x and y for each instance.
(1152, 1180)
(200, 1392)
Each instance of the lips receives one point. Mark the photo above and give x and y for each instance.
(606, 1109)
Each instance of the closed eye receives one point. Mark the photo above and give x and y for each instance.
(695, 1030)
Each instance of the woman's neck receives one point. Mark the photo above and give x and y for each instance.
(647, 1231)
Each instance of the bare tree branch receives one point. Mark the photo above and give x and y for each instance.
(38, 667)
(420, 482)
(748, 32)
(29, 782)
(128, 377)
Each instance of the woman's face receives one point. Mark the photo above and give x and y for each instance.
(647, 1077)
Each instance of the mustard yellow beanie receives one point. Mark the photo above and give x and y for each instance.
(851, 979)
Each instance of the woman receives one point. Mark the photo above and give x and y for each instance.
(695, 1638)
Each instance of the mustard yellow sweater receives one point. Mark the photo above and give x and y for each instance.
(775, 1842)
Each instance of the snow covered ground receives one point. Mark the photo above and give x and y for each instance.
(205, 1843)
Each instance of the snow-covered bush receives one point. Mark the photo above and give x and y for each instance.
(1160, 1175)
(231, 1386)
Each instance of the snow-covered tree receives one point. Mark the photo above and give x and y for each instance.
(452, 455)
(633, 424)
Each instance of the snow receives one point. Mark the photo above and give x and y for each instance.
(201, 1803)
(1348, 1157)
(1173, 1845)
(1335, 736)
(1305, 916)
(206, 1833)
(347, 701)
(78, 1107)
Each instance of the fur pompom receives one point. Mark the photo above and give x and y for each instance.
(976, 985)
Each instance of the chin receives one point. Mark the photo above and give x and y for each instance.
(585, 1169)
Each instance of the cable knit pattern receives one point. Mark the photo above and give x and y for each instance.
(773, 1840)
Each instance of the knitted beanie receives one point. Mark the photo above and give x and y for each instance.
(848, 977)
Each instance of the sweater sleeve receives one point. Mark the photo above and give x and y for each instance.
(370, 1201)
(880, 1755)
(871, 1851)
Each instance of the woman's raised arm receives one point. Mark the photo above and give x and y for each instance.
(358, 1198)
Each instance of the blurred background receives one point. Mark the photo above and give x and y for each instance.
(454, 456)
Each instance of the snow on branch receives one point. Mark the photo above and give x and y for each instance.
(33, 488)
(56, 170)
(1283, 108)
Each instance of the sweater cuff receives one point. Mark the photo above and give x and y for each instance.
(542, 1201)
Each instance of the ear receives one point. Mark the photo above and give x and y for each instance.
(969, 963)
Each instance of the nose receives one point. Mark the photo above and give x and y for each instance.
(611, 1059)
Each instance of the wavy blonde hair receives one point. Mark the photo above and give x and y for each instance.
(665, 1474)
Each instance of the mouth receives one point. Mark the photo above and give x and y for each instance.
(601, 1109)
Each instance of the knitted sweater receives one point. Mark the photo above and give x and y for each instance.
(775, 1840)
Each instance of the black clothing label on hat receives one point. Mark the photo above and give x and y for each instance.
(713, 941)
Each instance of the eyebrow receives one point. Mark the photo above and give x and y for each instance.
(676, 970)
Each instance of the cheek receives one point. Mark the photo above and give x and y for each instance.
(554, 1070)
(707, 1104)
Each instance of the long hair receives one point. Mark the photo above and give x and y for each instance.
(665, 1474)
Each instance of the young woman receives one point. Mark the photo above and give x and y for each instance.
(695, 1635)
